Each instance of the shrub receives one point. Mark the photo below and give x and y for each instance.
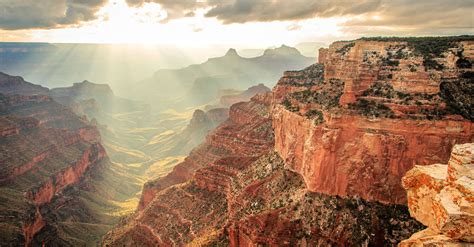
(316, 114)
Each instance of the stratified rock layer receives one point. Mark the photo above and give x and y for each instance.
(442, 198)
(248, 198)
(242, 134)
(357, 123)
(44, 149)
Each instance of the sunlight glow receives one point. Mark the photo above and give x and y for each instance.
(119, 23)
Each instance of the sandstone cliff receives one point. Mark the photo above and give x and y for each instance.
(442, 198)
(356, 123)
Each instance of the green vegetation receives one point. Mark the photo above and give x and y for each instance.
(287, 104)
(343, 50)
(328, 96)
(371, 108)
(317, 115)
(310, 76)
(459, 95)
(427, 47)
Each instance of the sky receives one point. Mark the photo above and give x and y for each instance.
(245, 23)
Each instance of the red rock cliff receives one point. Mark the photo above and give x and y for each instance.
(374, 113)
(238, 135)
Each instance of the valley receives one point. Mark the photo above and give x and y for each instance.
(75, 195)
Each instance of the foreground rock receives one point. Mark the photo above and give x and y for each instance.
(442, 198)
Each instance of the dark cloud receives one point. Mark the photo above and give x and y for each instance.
(418, 15)
(363, 14)
(241, 11)
(27, 14)
(370, 15)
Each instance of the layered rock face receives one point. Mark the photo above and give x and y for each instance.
(50, 149)
(244, 196)
(239, 135)
(442, 198)
(45, 149)
(355, 124)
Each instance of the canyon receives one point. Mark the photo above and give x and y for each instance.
(320, 159)
(58, 184)
(85, 154)
(339, 153)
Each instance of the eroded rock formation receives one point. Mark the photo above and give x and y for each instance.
(442, 198)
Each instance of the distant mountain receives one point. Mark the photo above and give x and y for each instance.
(82, 92)
(228, 71)
(17, 85)
(180, 143)
(310, 49)
(228, 100)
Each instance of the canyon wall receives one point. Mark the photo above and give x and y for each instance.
(245, 198)
(240, 134)
(45, 149)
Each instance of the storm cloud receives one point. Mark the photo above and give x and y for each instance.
(458, 14)
(366, 15)
(27, 14)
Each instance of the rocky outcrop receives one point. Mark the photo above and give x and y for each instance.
(441, 197)
(85, 89)
(322, 55)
